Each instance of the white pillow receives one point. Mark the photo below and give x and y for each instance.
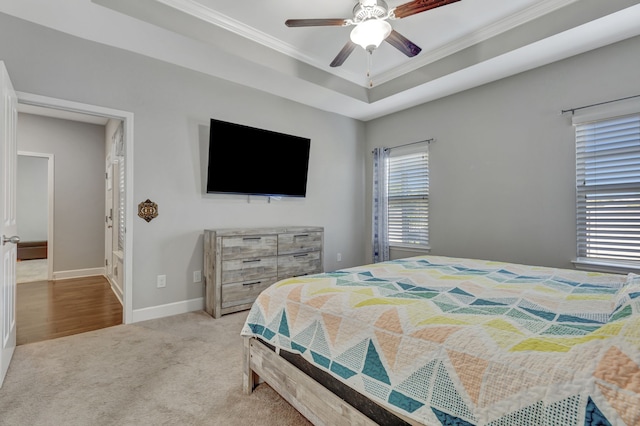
(628, 295)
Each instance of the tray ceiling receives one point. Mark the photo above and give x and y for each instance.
(464, 44)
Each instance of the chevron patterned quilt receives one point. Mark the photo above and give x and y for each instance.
(448, 341)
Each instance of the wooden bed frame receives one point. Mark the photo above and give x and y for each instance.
(309, 397)
(30, 250)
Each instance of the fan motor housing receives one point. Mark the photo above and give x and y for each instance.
(365, 10)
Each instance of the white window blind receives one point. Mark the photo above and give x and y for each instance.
(408, 199)
(121, 204)
(608, 189)
(118, 151)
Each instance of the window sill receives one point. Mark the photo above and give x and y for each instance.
(423, 249)
(595, 265)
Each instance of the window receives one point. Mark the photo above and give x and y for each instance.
(400, 199)
(608, 189)
(408, 199)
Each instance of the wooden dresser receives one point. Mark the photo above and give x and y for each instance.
(240, 263)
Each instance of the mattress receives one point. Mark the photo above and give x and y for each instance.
(467, 342)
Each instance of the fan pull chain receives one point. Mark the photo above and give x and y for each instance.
(369, 61)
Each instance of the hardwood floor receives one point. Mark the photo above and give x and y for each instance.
(50, 309)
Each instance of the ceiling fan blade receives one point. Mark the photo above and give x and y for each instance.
(417, 6)
(337, 22)
(403, 44)
(344, 54)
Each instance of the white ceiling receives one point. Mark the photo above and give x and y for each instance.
(464, 44)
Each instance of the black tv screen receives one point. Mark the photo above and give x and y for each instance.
(247, 160)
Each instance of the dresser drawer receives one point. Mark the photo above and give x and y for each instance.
(299, 264)
(249, 269)
(299, 242)
(249, 246)
(245, 292)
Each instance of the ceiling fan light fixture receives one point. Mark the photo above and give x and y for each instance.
(370, 33)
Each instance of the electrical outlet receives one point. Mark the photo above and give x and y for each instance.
(197, 276)
(161, 281)
(339, 257)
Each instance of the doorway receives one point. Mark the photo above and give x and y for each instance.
(35, 212)
(124, 120)
(76, 297)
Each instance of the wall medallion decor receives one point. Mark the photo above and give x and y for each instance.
(147, 210)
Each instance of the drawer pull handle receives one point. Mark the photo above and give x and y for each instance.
(251, 261)
(301, 275)
(251, 238)
(252, 283)
(301, 255)
(300, 235)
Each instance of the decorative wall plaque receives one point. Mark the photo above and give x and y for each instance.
(147, 210)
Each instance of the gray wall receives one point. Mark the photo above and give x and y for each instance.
(78, 149)
(32, 200)
(503, 165)
(172, 107)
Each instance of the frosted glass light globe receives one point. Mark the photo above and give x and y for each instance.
(370, 33)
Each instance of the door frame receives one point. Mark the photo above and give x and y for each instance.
(50, 211)
(127, 119)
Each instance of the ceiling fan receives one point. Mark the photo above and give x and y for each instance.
(371, 26)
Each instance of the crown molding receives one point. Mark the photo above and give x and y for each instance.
(197, 10)
(540, 8)
(505, 24)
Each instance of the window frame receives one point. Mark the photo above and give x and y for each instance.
(581, 119)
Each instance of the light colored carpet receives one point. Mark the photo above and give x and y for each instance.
(180, 370)
(31, 270)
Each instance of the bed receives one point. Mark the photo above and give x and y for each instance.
(433, 340)
(30, 250)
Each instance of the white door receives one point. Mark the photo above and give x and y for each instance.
(8, 225)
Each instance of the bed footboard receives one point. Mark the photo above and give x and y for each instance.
(311, 399)
(249, 377)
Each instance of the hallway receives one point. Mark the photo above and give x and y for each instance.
(50, 309)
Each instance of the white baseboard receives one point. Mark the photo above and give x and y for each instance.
(78, 273)
(168, 310)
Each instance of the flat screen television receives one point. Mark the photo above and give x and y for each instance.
(252, 161)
